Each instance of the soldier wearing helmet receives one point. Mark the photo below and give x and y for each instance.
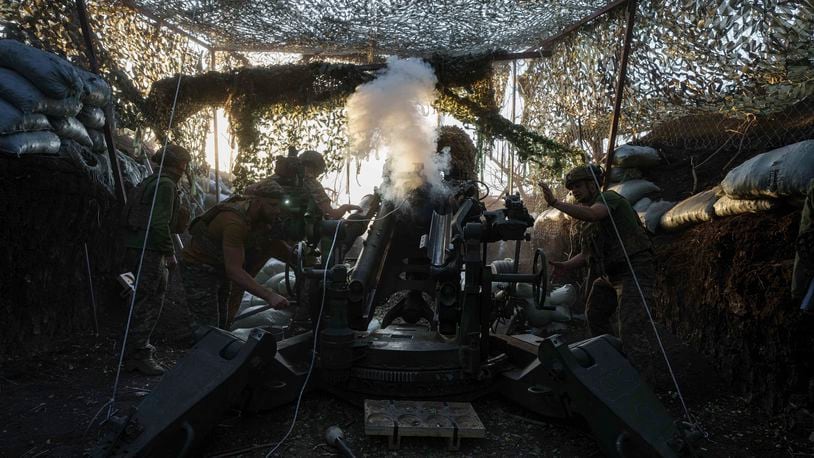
(215, 257)
(601, 247)
(153, 212)
(313, 166)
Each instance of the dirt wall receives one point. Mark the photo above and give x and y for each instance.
(49, 209)
(724, 288)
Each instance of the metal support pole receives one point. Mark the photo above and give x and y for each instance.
(217, 135)
(87, 34)
(512, 149)
(620, 87)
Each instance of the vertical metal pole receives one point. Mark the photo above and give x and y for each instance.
(217, 134)
(620, 87)
(87, 34)
(511, 148)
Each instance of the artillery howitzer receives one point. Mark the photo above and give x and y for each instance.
(426, 258)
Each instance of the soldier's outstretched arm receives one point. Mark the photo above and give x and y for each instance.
(233, 263)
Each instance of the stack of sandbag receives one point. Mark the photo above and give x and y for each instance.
(695, 209)
(271, 276)
(650, 212)
(225, 191)
(35, 85)
(635, 190)
(765, 180)
(630, 160)
(50, 106)
(626, 176)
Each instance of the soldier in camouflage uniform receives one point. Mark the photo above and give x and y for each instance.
(216, 255)
(167, 219)
(601, 249)
(804, 259)
(313, 166)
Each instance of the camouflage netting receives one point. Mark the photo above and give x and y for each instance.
(701, 76)
(379, 27)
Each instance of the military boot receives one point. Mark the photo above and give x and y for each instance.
(147, 366)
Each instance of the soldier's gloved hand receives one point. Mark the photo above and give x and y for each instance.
(276, 301)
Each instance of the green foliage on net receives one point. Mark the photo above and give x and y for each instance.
(302, 106)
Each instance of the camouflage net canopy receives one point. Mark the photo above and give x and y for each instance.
(707, 78)
(377, 27)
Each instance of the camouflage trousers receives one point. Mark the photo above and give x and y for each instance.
(619, 294)
(152, 285)
(207, 290)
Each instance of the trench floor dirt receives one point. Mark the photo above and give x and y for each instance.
(53, 405)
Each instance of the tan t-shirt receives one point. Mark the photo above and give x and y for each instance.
(228, 229)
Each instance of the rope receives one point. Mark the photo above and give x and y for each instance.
(316, 329)
(314, 348)
(644, 301)
(144, 246)
(92, 294)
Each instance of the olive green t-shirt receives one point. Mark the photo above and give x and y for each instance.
(227, 229)
(599, 239)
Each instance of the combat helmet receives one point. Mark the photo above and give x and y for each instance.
(583, 173)
(267, 188)
(173, 156)
(312, 158)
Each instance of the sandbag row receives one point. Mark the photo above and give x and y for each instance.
(45, 100)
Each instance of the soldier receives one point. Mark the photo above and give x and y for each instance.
(313, 166)
(601, 249)
(803, 275)
(217, 252)
(159, 256)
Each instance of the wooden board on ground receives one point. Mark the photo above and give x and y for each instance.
(397, 419)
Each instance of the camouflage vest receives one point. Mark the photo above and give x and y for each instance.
(199, 227)
(601, 242)
(136, 212)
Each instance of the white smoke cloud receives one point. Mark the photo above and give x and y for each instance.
(391, 115)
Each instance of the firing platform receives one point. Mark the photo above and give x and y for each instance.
(397, 419)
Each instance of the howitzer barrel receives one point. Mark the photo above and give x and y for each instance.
(438, 238)
(356, 223)
(366, 272)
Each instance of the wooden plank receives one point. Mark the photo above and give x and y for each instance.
(407, 418)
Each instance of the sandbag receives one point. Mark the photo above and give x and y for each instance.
(43, 142)
(728, 206)
(564, 295)
(642, 204)
(634, 190)
(270, 317)
(651, 218)
(272, 267)
(13, 120)
(696, 209)
(71, 129)
(781, 172)
(97, 137)
(86, 161)
(552, 214)
(133, 172)
(620, 174)
(92, 117)
(96, 92)
(21, 93)
(54, 76)
(631, 156)
(277, 283)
